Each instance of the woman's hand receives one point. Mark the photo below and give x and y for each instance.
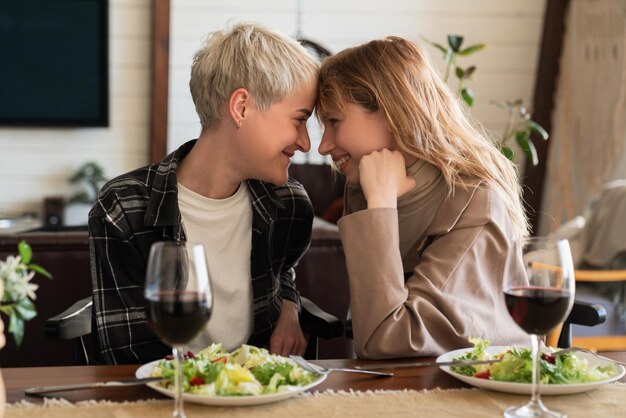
(287, 337)
(383, 178)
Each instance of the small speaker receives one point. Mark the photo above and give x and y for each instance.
(53, 211)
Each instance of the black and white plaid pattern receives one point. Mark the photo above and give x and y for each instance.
(141, 207)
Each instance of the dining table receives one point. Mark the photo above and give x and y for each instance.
(411, 391)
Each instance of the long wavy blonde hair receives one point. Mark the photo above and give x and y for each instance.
(394, 76)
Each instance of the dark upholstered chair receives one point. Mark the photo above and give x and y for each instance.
(75, 324)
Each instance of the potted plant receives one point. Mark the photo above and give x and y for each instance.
(90, 178)
(519, 126)
(17, 294)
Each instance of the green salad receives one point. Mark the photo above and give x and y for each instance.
(246, 371)
(516, 366)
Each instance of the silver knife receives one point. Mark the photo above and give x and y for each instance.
(39, 390)
(426, 364)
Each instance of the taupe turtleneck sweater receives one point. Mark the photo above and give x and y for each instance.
(455, 250)
(416, 208)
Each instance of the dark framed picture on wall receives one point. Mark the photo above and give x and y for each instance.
(54, 69)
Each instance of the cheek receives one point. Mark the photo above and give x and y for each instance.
(362, 141)
(288, 133)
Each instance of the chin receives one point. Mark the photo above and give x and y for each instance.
(278, 179)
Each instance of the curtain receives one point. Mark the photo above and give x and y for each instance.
(589, 119)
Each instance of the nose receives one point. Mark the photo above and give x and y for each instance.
(327, 144)
(303, 142)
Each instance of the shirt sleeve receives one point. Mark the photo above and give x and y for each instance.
(118, 274)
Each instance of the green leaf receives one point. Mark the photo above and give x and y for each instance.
(26, 309)
(39, 269)
(455, 42)
(16, 327)
(25, 251)
(535, 127)
(469, 71)
(468, 96)
(471, 49)
(459, 72)
(507, 152)
(7, 309)
(524, 142)
(439, 47)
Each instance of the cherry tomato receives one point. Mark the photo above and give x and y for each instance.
(196, 381)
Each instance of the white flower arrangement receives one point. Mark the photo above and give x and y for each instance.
(18, 293)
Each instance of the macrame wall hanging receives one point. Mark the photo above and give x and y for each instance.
(589, 119)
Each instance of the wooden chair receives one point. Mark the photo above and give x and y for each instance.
(598, 241)
(607, 342)
(564, 336)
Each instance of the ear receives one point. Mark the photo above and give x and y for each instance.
(239, 99)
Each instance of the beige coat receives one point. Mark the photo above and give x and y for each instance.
(455, 290)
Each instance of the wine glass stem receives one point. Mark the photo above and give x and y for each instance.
(178, 382)
(534, 341)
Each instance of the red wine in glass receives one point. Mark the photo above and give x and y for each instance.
(538, 292)
(536, 309)
(178, 300)
(177, 316)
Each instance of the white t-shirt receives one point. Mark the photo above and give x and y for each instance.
(224, 226)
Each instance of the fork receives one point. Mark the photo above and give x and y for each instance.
(584, 350)
(320, 370)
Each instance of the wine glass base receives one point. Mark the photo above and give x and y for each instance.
(532, 410)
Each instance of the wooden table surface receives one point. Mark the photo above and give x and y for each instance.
(18, 379)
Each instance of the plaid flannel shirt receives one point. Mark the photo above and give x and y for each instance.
(141, 207)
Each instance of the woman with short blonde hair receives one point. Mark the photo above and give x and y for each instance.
(431, 205)
(254, 90)
(268, 64)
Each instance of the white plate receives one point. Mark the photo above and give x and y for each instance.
(524, 388)
(146, 371)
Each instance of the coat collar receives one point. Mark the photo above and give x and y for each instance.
(163, 208)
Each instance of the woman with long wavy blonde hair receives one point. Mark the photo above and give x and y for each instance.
(430, 209)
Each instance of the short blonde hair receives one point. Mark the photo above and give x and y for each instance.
(266, 63)
(394, 76)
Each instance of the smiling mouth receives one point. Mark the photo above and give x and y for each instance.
(339, 163)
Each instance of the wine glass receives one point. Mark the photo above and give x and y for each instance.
(539, 293)
(178, 300)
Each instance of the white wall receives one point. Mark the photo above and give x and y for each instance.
(505, 69)
(37, 162)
